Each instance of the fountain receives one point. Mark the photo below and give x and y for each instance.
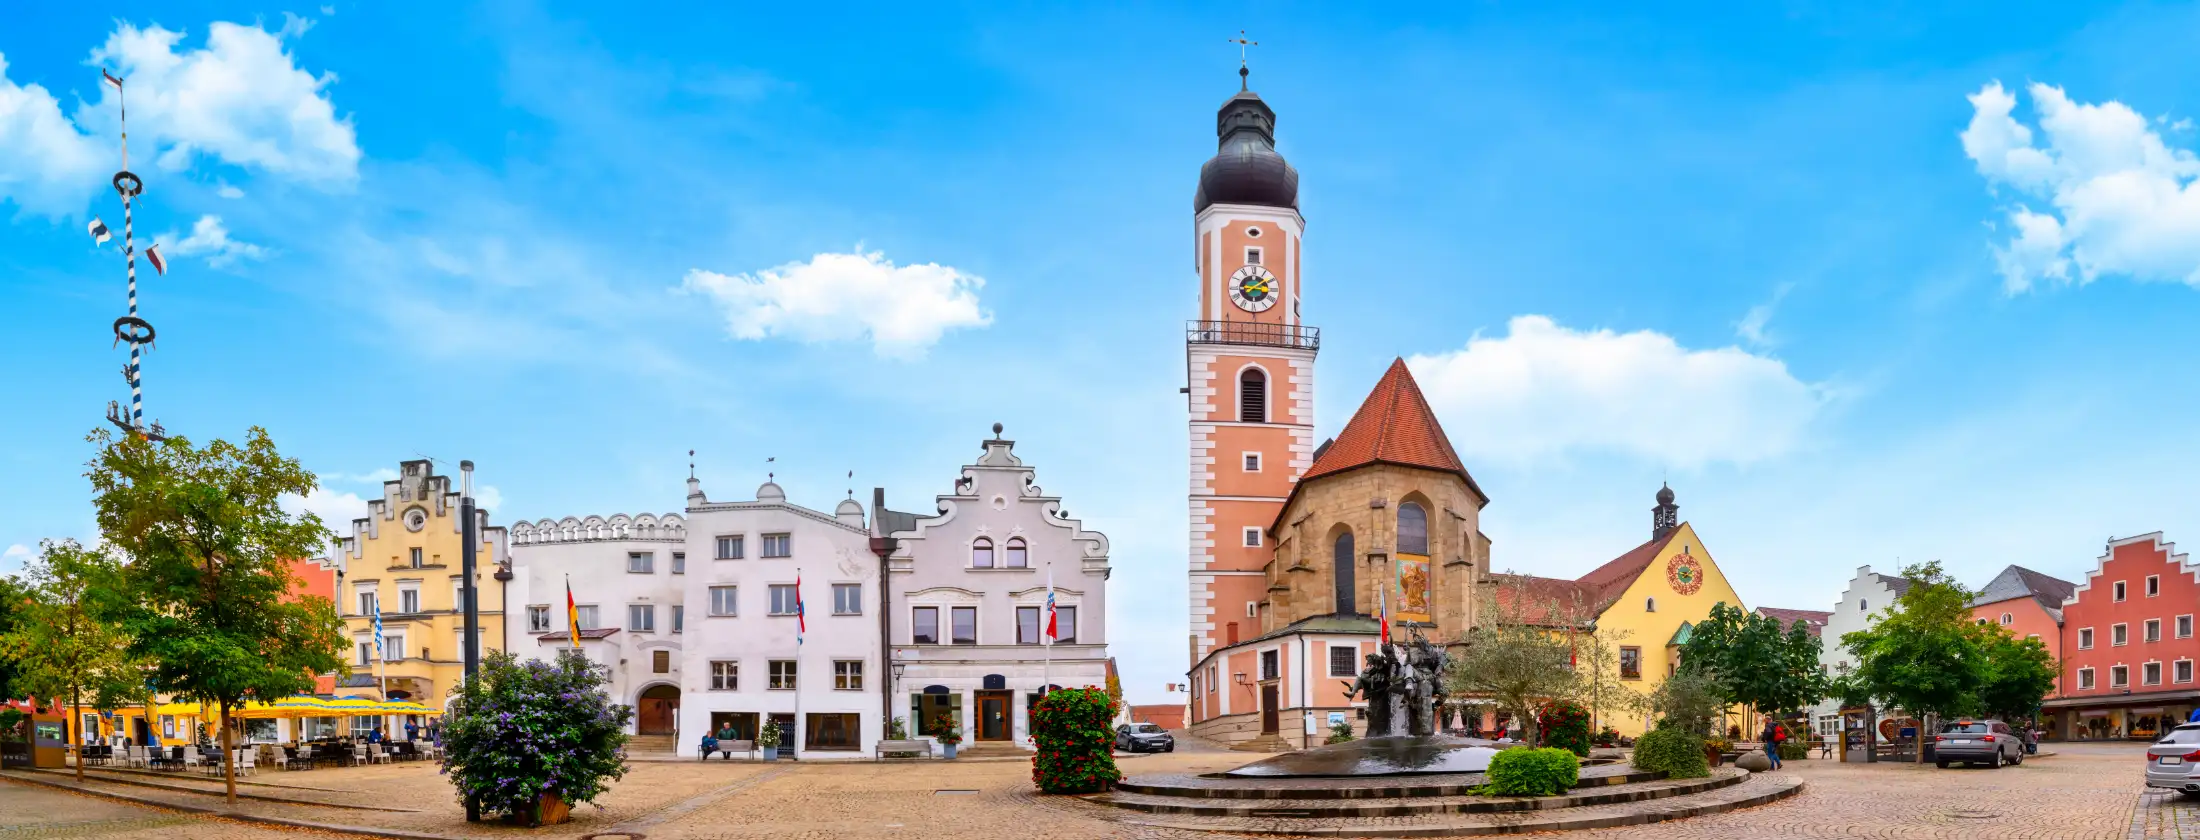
(1403, 687)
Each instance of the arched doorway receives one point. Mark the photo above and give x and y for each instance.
(658, 713)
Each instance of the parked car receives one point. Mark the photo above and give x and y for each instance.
(1990, 742)
(1144, 737)
(2174, 761)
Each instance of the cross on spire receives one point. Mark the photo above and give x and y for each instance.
(1243, 72)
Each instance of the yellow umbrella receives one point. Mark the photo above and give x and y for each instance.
(286, 707)
(408, 707)
(352, 707)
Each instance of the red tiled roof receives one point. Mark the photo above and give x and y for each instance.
(1549, 600)
(1815, 620)
(1609, 581)
(1394, 426)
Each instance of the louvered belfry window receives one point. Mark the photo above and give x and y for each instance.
(1252, 397)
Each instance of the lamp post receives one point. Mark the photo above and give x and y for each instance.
(469, 536)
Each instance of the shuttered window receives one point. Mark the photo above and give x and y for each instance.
(1253, 397)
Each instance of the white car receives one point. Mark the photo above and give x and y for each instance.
(2174, 761)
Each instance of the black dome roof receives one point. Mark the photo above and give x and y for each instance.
(1246, 168)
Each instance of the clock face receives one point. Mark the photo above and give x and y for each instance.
(1253, 289)
(1684, 573)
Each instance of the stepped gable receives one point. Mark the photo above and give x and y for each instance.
(1394, 426)
(1594, 592)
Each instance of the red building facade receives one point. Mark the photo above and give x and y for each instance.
(2128, 645)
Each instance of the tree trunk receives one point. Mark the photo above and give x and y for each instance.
(76, 710)
(1923, 725)
(229, 756)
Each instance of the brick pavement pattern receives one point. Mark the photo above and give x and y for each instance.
(2087, 792)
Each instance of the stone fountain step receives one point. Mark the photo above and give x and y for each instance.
(1321, 807)
(1748, 790)
(1377, 787)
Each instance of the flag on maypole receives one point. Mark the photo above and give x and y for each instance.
(801, 623)
(572, 614)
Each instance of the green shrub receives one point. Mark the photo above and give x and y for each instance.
(1564, 724)
(1606, 737)
(1674, 752)
(1076, 745)
(1548, 771)
(525, 730)
(1340, 732)
(1792, 749)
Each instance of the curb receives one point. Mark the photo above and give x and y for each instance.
(358, 830)
(1489, 805)
(256, 797)
(1668, 813)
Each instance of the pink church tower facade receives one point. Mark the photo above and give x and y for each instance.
(1250, 366)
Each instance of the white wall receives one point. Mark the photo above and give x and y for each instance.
(592, 553)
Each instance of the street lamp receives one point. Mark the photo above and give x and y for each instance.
(897, 666)
(468, 535)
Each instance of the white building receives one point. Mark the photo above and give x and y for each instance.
(627, 575)
(1867, 596)
(969, 591)
(741, 663)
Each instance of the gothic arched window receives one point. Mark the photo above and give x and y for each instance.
(1412, 529)
(1345, 564)
(981, 554)
(1253, 396)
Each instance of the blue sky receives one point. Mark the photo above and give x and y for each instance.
(1867, 285)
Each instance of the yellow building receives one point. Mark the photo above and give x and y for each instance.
(404, 557)
(1643, 603)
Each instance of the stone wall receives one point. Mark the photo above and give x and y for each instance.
(1302, 577)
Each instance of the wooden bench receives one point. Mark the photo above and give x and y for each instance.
(923, 749)
(728, 748)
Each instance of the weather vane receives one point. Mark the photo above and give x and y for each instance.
(130, 328)
(1242, 43)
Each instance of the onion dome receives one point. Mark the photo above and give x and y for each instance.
(1246, 168)
(1665, 495)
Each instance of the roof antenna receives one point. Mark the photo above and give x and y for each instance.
(1243, 73)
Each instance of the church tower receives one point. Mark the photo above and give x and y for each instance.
(1250, 363)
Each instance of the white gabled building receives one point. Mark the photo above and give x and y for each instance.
(741, 664)
(1867, 597)
(628, 582)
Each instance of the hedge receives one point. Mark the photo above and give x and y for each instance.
(1548, 771)
(1676, 753)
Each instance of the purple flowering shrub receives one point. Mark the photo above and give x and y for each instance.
(527, 729)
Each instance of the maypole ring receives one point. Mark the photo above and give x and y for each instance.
(127, 183)
(138, 330)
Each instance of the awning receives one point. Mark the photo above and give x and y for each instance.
(2151, 698)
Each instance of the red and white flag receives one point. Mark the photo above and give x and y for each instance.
(110, 78)
(1382, 613)
(1051, 634)
(801, 622)
(160, 263)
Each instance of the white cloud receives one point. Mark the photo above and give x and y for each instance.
(1545, 390)
(488, 498)
(2122, 201)
(902, 309)
(46, 164)
(1752, 326)
(337, 510)
(210, 239)
(13, 559)
(228, 191)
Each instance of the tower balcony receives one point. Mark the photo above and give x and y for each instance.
(1252, 333)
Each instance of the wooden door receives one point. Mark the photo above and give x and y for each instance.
(1268, 709)
(993, 716)
(656, 717)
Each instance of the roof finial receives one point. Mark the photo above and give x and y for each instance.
(1243, 72)
(771, 476)
(691, 463)
(851, 485)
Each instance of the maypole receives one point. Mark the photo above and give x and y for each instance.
(130, 328)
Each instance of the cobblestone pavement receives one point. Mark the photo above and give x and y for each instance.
(2089, 792)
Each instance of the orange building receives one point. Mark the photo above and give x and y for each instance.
(2129, 645)
(315, 577)
(2029, 605)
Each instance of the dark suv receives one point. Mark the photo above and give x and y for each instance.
(1144, 737)
(1990, 742)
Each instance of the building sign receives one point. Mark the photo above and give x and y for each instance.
(1415, 588)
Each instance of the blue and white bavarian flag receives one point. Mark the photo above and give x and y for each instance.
(99, 231)
(378, 628)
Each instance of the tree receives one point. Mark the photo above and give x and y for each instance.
(1689, 701)
(64, 642)
(1515, 658)
(206, 583)
(1926, 654)
(1601, 686)
(1755, 661)
(2019, 673)
(11, 605)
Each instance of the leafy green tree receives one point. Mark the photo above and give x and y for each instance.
(2019, 673)
(64, 641)
(207, 587)
(1755, 661)
(11, 605)
(1515, 658)
(1690, 701)
(1926, 654)
(1600, 686)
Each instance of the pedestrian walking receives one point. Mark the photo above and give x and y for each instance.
(1773, 734)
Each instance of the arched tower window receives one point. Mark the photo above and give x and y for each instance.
(1649, 605)
(981, 554)
(1345, 564)
(1412, 529)
(1018, 557)
(1253, 396)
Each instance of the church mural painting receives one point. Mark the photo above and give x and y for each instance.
(1413, 589)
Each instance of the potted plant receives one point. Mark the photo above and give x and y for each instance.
(768, 739)
(532, 739)
(943, 728)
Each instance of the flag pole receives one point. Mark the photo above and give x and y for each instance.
(794, 739)
(1046, 639)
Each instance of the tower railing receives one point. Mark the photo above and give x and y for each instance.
(1253, 333)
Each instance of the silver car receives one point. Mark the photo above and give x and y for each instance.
(1988, 742)
(2174, 761)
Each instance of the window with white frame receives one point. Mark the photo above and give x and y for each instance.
(1252, 256)
(640, 563)
(679, 562)
(725, 676)
(981, 553)
(538, 618)
(408, 597)
(2119, 676)
(414, 560)
(722, 600)
(2007, 619)
(1016, 554)
(2119, 590)
(641, 618)
(783, 599)
(1065, 625)
(729, 547)
(2184, 626)
(2154, 585)
(366, 597)
(1252, 536)
(2150, 673)
(847, 599)
(782, 675)
(963, 625)
(2118, 635)
(393, 646)
(458, 595)
(679, 618)
(1270, 664)
(2085, 678)
(2085, 638)
(847, 675)
(924, 625)
(1344, 661)
(2154, 630)
(366, 649)
(1252, 462)
(778, 545)
(2182, 671)
(587, 613)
